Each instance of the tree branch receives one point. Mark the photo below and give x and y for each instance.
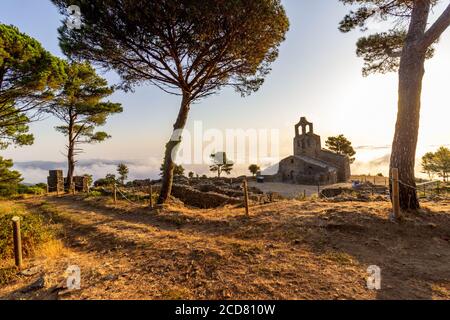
(435, 31)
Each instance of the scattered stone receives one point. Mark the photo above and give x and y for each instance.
(110, 277)
(30, 272)
(35, 286)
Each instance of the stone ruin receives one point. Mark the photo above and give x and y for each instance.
(81, 184)
(311, 164)
(215, 192)
(209, 193)
(57, 183)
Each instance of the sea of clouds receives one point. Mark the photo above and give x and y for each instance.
(369, 160)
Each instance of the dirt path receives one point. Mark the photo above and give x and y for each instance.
(286, 250)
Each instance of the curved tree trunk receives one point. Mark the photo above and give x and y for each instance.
(169, 164)
(411, 74)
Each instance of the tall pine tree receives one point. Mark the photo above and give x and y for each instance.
(81, 107)
(191, 48)
(403, 48)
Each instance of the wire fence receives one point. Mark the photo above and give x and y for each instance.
(422, 190)
(139, 196)
(136, 203)
(430, 189)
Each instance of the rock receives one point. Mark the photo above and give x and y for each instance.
(30, 272)
(35, 286)
(110, 277)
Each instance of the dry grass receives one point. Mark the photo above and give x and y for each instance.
(285, 250)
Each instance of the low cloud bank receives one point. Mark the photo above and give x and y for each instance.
(37, 171)
(370, 160)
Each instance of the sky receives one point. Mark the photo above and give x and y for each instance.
(317, 75)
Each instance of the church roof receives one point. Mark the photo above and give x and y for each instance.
(316, 162)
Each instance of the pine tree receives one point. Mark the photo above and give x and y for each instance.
(341, 145)
(28, 76)
(254, 169)
(404, 48)
(80, 106)
(191, 48)
(9, 179)
(123, 171)
(221, 164)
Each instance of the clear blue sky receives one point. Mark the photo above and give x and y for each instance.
(317, 75)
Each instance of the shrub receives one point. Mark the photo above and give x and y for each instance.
(8, 190)
(34, 230)
(95, 194)
(33, 190)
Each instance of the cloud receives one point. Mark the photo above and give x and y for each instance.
(375, 166)
(37, 171)
(369, 147)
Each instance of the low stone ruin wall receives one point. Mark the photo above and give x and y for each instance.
(364, 190)
(204, 200)
(206, 193)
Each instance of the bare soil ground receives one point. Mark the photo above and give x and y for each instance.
(285, 250)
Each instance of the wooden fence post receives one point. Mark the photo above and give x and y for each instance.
(115, 193)
(74, 191)
(150, 191)
(395, 194)
(245, 185)
(17, 242)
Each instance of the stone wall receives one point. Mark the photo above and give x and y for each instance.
(81, 184)
(342, 163)
(55, 181)
(295, 170)
(199, 199)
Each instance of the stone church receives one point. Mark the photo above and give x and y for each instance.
(311, 164)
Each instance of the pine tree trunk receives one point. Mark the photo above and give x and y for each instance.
(70, 154)
(70, 165)
(169, 164)
(411, 74)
